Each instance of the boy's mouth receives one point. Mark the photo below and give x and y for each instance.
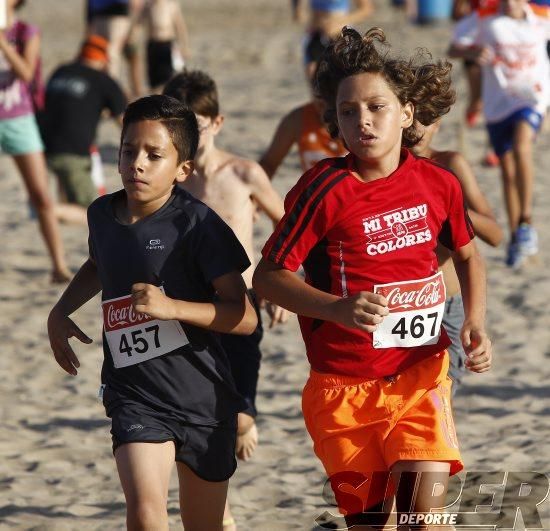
(367, 138)
(136, 183)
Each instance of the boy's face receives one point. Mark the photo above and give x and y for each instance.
(148, 162)
(427, 132)
(513, 8)
(208, 129)
(370, 117)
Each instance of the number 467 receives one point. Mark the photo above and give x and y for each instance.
(141, 342)
(416, 328)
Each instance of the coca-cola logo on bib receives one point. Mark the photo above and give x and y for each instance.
(119, 313)
(413, 295)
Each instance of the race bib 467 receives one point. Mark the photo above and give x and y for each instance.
(416, 312)
(134, 338)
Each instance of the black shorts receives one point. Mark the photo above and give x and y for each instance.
(314, 46)
(244, 357)
(209, 451)
(160, 68)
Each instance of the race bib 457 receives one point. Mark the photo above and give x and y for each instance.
(134, 338)
(416, 312)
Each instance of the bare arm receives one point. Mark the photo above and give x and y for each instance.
(470, 270)
(285, 136)
(181, 31)
(284, 288)
(297, 10)
(233, 313)
(82, 288)
(480, 54)
(263, 193)
(480, 212)
(23, 65)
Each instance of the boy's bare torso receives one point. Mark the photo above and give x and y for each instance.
(223, 187)
(160, 16)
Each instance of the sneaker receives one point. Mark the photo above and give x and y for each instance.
(513, 256)
(527, 239)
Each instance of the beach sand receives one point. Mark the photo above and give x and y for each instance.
(56, 465)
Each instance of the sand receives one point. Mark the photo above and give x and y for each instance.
(56, 466)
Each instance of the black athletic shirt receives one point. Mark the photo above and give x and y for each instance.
(183, 246)
(76, 95)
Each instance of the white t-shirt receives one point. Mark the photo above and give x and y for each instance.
(518, 75)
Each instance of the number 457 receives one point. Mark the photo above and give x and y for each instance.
(416, 326)
(141, 342)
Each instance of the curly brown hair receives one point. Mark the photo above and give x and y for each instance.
(418, 80)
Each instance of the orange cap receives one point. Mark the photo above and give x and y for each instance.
(95, 48)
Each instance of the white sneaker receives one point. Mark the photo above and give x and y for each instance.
(527, 240)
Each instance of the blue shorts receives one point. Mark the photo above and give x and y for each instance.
(501, 134)
(20, 135)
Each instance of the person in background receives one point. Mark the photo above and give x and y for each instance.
(19, 134)
(112, 19)
(510, 46)
(304, 127)
(167, 40)
(326, 19)
(77, 94)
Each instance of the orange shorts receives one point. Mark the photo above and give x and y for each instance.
(360, 427)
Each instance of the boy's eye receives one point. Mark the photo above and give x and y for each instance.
(154, 156)
(376, 107)
(126, 151)
(347, 112)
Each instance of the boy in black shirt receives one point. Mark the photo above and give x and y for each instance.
(76, 96)
(159, 256)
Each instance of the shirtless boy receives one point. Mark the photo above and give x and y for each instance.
(167, 40)
(232, 187)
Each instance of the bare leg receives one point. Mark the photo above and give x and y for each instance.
(510, 189)
(144, 470)
(201, 502)
(228, 520)
(69, 213)
(32, 167)
(422, 486)
(473, 75)
(247, 440)
(523, 157)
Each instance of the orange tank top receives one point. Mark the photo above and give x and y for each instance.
(315, 143)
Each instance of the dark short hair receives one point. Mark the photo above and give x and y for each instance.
(197, 90)
(178, 119)
(419, 80)
(20, 4)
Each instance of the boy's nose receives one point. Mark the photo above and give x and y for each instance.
(137, 163)
(365, 118)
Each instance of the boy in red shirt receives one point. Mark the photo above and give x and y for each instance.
(365, 228)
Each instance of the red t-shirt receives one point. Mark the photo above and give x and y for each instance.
(350, 235)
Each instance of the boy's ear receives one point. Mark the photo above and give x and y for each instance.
(217, 123)
(407, 115)
(184, 170)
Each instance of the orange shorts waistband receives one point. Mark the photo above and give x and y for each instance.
(332, 381)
